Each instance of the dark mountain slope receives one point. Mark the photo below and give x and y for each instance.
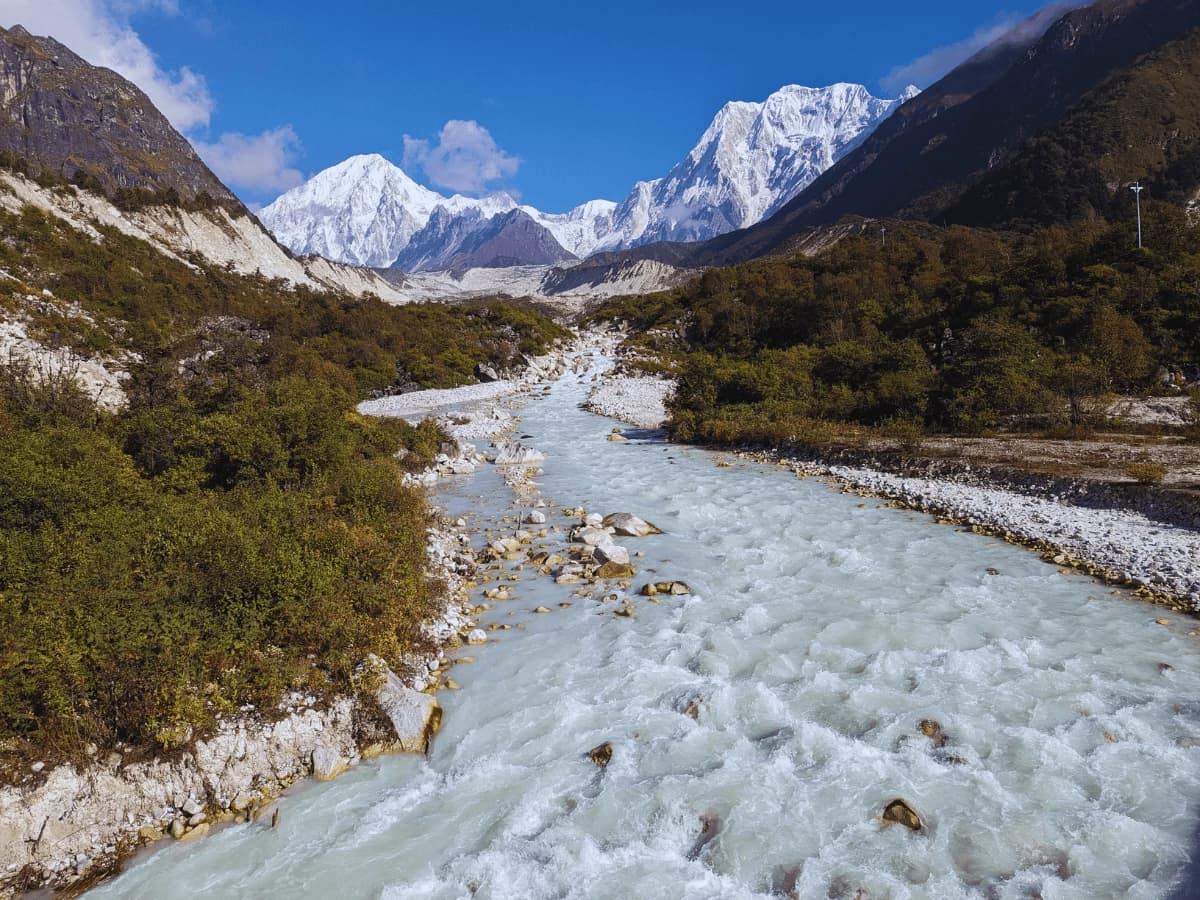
(1143, 124)
(511, 239)
(61, 116)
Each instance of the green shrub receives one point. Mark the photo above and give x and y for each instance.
(1146, 472)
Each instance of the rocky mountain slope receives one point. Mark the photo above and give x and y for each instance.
(752, 159)
(63, 117)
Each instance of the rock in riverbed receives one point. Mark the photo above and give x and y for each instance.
(515, 453)
(900, 813)
(628, 525)
(611, 553)
(601, 755)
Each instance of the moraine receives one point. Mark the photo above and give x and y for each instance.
(821, 633)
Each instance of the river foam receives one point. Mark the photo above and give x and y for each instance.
(822, 629)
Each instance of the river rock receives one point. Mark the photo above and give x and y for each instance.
(628, 525)
(618, 439)
(327, 763)
(590, 535)
(415, 717)
(178, 827)
(516, 454)
(198, 832)
(611, 553)
(900, 813)
(535, 517)
(614, 570)
(602, 754)
(190, 807)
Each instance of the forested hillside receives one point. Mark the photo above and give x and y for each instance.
(943, 330)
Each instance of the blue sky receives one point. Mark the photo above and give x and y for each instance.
(558, 103)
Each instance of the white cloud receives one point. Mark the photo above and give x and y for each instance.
(260, 163)
(465, 158)
(99, 31)
(928, 68)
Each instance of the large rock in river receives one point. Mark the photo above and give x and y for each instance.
(629, 525)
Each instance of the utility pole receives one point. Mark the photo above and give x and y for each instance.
(1137, 189)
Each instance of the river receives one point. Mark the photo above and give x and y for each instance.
(821, 631)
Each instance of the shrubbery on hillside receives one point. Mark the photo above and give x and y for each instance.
(239, 530)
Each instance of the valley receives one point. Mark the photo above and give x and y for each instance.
(818, 519)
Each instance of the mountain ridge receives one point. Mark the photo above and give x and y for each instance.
(753, 157)
(65, 118)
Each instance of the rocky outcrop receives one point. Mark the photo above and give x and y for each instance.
(68, 118)
(80, 817)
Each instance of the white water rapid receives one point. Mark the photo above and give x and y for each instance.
(821, 631)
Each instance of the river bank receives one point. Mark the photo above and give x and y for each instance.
(71, 825)
(1126, 535)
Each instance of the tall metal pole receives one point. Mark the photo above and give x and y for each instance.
(883, 232)
(1137, 189)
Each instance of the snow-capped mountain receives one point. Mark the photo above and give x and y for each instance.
(751, 160)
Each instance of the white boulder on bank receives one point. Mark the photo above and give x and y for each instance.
(415, 716)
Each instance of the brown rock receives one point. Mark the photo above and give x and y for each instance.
(900, 813)
(601, 755)
(613, 570)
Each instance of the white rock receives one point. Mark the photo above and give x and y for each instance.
(629, 525)
(327, 763)
(415, 717)
(609, 552)
(516, 454)
(591, 535)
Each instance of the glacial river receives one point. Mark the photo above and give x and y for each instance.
(822, 630)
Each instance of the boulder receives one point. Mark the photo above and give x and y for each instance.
(602, 754)
(618, 439)
(613, 570)
(515, 453)
(628, 525)
(611, 553)
(327, 763)
(415, 716)
(477, 636)
(900, 813)
(591, 535)
(486, 373)
(535, 517)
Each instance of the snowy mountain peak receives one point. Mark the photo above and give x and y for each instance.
(751, 160)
